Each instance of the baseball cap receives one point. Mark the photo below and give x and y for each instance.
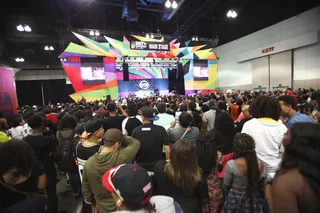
(131, 183)
(150, 114)
(93, 125)
(79, 128)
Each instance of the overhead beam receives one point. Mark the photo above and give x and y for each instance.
(139, 6)
(191, 19)
(31, 38)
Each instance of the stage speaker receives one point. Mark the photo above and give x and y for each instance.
(125, 69)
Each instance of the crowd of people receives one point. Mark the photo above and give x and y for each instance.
(249, 152)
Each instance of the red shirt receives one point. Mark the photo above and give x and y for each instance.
(52, 117)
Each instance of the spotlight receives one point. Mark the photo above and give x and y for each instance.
(46, 48)
(91, 33)
(20, 28)
(232, 14)
(17, 59)
(147, 36)
(27, 28)
(168, 4)
(152, 36)
(97, 33)
(51, 48)
(174, 5)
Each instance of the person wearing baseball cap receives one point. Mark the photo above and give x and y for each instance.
(131, 189)
(153, 139)
(117, 149)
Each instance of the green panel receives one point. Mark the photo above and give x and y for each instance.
(75, 48)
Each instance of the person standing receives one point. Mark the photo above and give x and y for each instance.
(181, 178)
(113, 120)
(44, 148)
(153, 139)
(296, 186)
(267, 131)
(289, 108)
(132, 121)
(116, 150)
(164, 119)
(209, 117)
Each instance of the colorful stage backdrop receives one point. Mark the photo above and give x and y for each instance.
(112, 49)
(8, 99)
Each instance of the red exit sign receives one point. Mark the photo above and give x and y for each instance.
(270, 49)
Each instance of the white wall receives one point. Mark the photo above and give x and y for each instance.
(306, 59)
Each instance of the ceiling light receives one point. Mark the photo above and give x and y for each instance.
(51, 48)
(174, 5)
(91, 33)
(20, 28)
(147, 36)
(48, 66)
(21, 59)
(168, 4)
(152, 36)
(232, 14)
(97, 33)
(17, 59)
(46, 48)
(197, 39)
(193, 38)
(27, 28)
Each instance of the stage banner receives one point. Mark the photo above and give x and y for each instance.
(148, 45)
(8, 98)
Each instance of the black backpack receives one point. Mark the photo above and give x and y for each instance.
(65, 152)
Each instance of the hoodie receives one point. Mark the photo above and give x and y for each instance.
(163, 204)
(96, 166)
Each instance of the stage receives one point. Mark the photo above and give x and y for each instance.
(138, 65)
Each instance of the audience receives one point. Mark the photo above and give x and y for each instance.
(44, 148)
(244, 178)
(113, 120)
(116, 150)
(63, 142)
(165, 119)
(296, 187)
(153, 139)
(16, 130)
(131, 189)
(181, 178)
(289, 110)
(132, 121)
(267, 131)
(184, 130)
(207, 159)
(22, 179)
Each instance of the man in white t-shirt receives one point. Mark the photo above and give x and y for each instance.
(209, 117)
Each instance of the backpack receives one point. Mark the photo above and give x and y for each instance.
(65, 152)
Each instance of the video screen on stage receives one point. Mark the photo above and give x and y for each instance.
(200, 71)
(92, 71)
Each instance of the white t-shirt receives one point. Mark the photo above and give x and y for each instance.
(26, 130)
(124, 123)
(16, 132)
(164, 120)
(268, 135)
(210, 117)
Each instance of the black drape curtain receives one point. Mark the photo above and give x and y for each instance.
(176, 82)
(54, 91)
